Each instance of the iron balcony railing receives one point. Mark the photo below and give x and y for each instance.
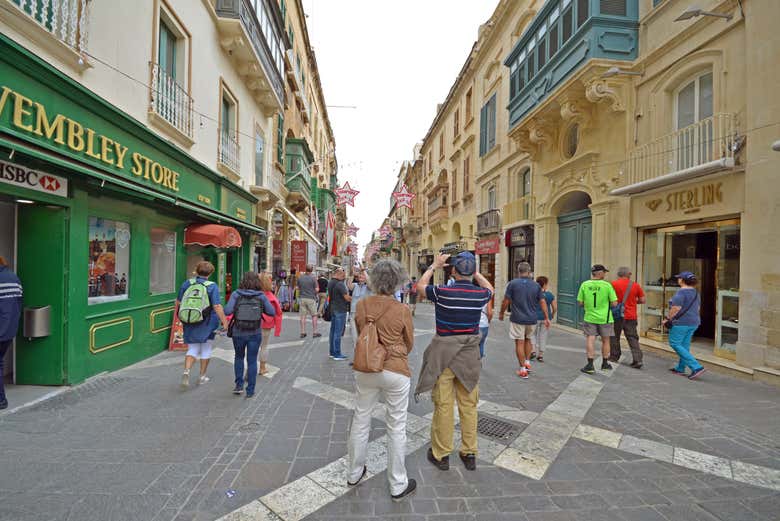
(489, 222)
(170, 101)
(66, 20)
(707, 140)
(229, 150)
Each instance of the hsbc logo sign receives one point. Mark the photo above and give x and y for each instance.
(17, 175)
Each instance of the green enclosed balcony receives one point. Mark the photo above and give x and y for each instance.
(325, 202)
(298, 160)
(561, 39)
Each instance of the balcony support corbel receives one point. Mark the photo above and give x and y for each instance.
(600, 89)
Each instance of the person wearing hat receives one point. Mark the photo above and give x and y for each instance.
(597, 297)
(684, 320)
(451, 364)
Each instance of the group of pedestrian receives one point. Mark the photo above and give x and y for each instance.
(611, 310)
(450, 371)
(252, 314)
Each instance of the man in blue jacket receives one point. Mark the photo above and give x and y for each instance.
(10, 310)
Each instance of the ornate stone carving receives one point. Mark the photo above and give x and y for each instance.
(599, 89)
(524, 143)
(540, 131)
(575, 110)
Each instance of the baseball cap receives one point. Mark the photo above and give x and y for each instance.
(597, 267)
(464, 263)
(685, 275)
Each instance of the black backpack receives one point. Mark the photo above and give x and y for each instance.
(248, 313)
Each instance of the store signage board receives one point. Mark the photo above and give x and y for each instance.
(298, 252)
(17, 175)
(717, 196)
(487, 246)
(86, 130)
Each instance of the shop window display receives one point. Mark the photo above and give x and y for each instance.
(109, 260)
(711, 251)
(162, 261)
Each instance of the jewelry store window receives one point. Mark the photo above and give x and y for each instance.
(709, 250)
(109, 260)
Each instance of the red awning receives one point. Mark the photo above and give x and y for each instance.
(215, 235)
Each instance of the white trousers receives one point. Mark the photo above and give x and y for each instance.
(395, 389)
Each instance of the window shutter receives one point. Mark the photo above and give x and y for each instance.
(280, 139)
(483, 130)
(491, 131)
(613, 7)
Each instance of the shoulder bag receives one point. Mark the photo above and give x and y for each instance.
(669, 322)
(619, 310)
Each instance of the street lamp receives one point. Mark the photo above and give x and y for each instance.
(693, 12)
(617, 71)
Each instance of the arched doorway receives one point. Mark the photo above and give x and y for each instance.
(574, 254)
(455, 233)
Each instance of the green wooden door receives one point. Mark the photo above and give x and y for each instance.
(43, 270)
(574, 250)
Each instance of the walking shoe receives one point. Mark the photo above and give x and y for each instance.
(185, 379)
(203, 379)
(443, 464)
(303, 335)
(527, 365)
(540, 358)
(605, 366)
(588, 369)
(410, 488)
(250, 395)
(636, 365)
(614, 358)
(340, 358)
(676, 371)
(4, 404)
(317, 335)
(522, 373)
(238, 389)
(365, 471)
(695, 374)
(533, 355)
(469, 461)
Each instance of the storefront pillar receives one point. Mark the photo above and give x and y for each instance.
(546, 249)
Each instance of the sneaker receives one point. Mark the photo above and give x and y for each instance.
(695, 374)
(185, 379)
(540, 358)
(677, 371)
(523, 373)
(303, 335)
(614, 358)
(410, 488)
(588, 369)
(636, 365)
(4, 404)
(365, 471)
(606, 366)
(203, 380)
(317, 335)
(469, 461)
(340, 358)
(249, 395)
(533, 355)
(527, 365)
(443, 464)
(238, 389)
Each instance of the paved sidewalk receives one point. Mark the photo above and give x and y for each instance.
(133, 445)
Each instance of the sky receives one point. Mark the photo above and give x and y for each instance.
(394, 61)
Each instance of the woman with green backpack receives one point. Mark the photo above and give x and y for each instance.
(247, 305)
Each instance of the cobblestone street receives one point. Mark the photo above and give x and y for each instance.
(636, 445)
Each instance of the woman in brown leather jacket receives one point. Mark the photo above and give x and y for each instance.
(395, 332)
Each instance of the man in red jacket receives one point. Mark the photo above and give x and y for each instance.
(628, 323)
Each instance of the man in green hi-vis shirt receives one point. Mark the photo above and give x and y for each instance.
(598, 297)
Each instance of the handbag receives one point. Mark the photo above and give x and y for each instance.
(669, 322)
(619, 310)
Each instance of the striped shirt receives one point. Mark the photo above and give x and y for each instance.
(458, 307)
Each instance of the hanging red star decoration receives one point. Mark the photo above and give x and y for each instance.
(346, 194)
(403, 197)
(352, 230)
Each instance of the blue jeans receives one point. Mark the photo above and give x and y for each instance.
(483, 331)
(680, 341)
(5, 345)
(247, 346)
(337, 323)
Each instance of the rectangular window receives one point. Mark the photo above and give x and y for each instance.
(259, 157)
(454, 186)
(162, 261)
(613, 7)
(167, 51)
(541, 54)
(468, 105)
(466, 172)
(456, 123)
(280, 139)
(566, 26)
(487, 126)
(553, 40)
(582, 12)
(430, 159)
(441, 145)
(491, 198)
(109, 260)
(520, 78)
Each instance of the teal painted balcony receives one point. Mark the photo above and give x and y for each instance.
(560, 40)
(297, 178)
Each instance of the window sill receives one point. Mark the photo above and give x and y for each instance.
(490, 152)
(228, 172)
(163, 125)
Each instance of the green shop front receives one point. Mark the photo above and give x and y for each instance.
(102, 220)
